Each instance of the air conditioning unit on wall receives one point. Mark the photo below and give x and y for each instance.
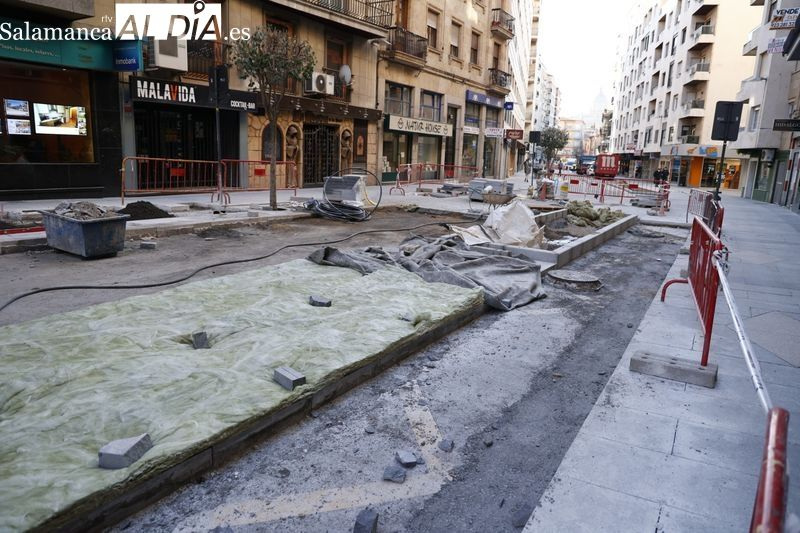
(319, 83)
(169, 53)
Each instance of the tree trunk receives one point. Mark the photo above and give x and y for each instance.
(273, 165)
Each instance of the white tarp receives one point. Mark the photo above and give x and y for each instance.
(512, 224)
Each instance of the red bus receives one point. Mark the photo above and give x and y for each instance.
(606, 166)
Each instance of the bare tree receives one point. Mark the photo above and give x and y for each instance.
(270, 59)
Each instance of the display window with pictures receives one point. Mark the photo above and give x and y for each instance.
(44, 115)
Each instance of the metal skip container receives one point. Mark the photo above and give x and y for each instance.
(98, 237)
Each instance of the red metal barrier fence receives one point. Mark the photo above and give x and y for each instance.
(432, 174)
(769, 508)
(157, 175)
(703, 279)
(618, 188)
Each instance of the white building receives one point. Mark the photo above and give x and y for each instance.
(766, 95)
(678, 59)
(547, 100)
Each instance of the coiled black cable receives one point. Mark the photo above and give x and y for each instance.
(224, 263)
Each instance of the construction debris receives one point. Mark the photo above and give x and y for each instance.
(583, 214)
(406, 458)
(395, 474)
(142, 210)
(82, 211)
(122, 453)
(319, 301)
(200, 340)
(148, 245)
(366, 522)
(446, 445)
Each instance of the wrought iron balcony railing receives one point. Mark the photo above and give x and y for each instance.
(377, 12)
(499, 78)
(409, 43)
(502, 19)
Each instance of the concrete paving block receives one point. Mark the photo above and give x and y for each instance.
(288, 378)
(148, 245)
(253, 213)
(200, 340)
(366, 522)
(720, 447)
(637, 428)
(406, 458)
(674, 369)
(122, 453)
(319, 301)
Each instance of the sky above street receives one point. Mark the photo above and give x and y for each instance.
(578, 46)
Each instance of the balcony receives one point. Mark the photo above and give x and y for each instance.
(689, 139)
(368, 18)
(499, 81)
(406, 48)
(702, 36)
(750, 48)
(202, 56)
(693, 109)
(502, 24)
(340, 90)
(703, 7)
(698, 72)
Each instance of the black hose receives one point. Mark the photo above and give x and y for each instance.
(224, 263)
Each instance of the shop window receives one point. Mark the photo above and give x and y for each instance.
(430, 106)
(433, 28)
(397, 100)
(266, 144)
(492, 117)
(472, 114)
(46, 115)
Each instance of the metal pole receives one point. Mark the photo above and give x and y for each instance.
(721, 171)
(744, 342)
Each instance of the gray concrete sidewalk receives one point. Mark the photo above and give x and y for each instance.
(661, 455)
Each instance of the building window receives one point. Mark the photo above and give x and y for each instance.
(430, 106)
(335, 57)
(474, 47)
(398, 100)
(683, 35)
(433, 28)
(495, 55)
(455, 39)
(671, 134)
(492, 117)
(753, 123)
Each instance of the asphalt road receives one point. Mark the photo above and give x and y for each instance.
(510, 389)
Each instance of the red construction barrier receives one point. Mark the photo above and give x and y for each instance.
(432, 174)
(158, 175)
(253, 175)
(769, 508)
(703, 279)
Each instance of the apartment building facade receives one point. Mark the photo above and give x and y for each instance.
(680, 58)
(769, 154)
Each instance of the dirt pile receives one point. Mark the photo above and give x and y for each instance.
(143, 211)
(583, 214)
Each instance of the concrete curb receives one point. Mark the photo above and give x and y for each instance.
(106, 508)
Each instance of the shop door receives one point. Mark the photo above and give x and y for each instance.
(320, 153)
(779, 194)
(450, 142)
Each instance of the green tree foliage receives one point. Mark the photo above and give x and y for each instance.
(553, 140)
(270, 59)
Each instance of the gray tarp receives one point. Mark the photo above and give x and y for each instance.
(508, 282)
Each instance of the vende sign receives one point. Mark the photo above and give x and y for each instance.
(784, 19)
(415, 125)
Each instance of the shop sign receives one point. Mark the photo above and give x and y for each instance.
(493, 132)
(239, 101)
(784, 19)
(479, 98)
(171, 92)
(775, 45)
(472, 130)
(415, 125)
(514, 134)
(508, 106)
(786, 124)
(88, 54)
(127, 56)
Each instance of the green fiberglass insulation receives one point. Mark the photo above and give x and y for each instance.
(74, 381)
